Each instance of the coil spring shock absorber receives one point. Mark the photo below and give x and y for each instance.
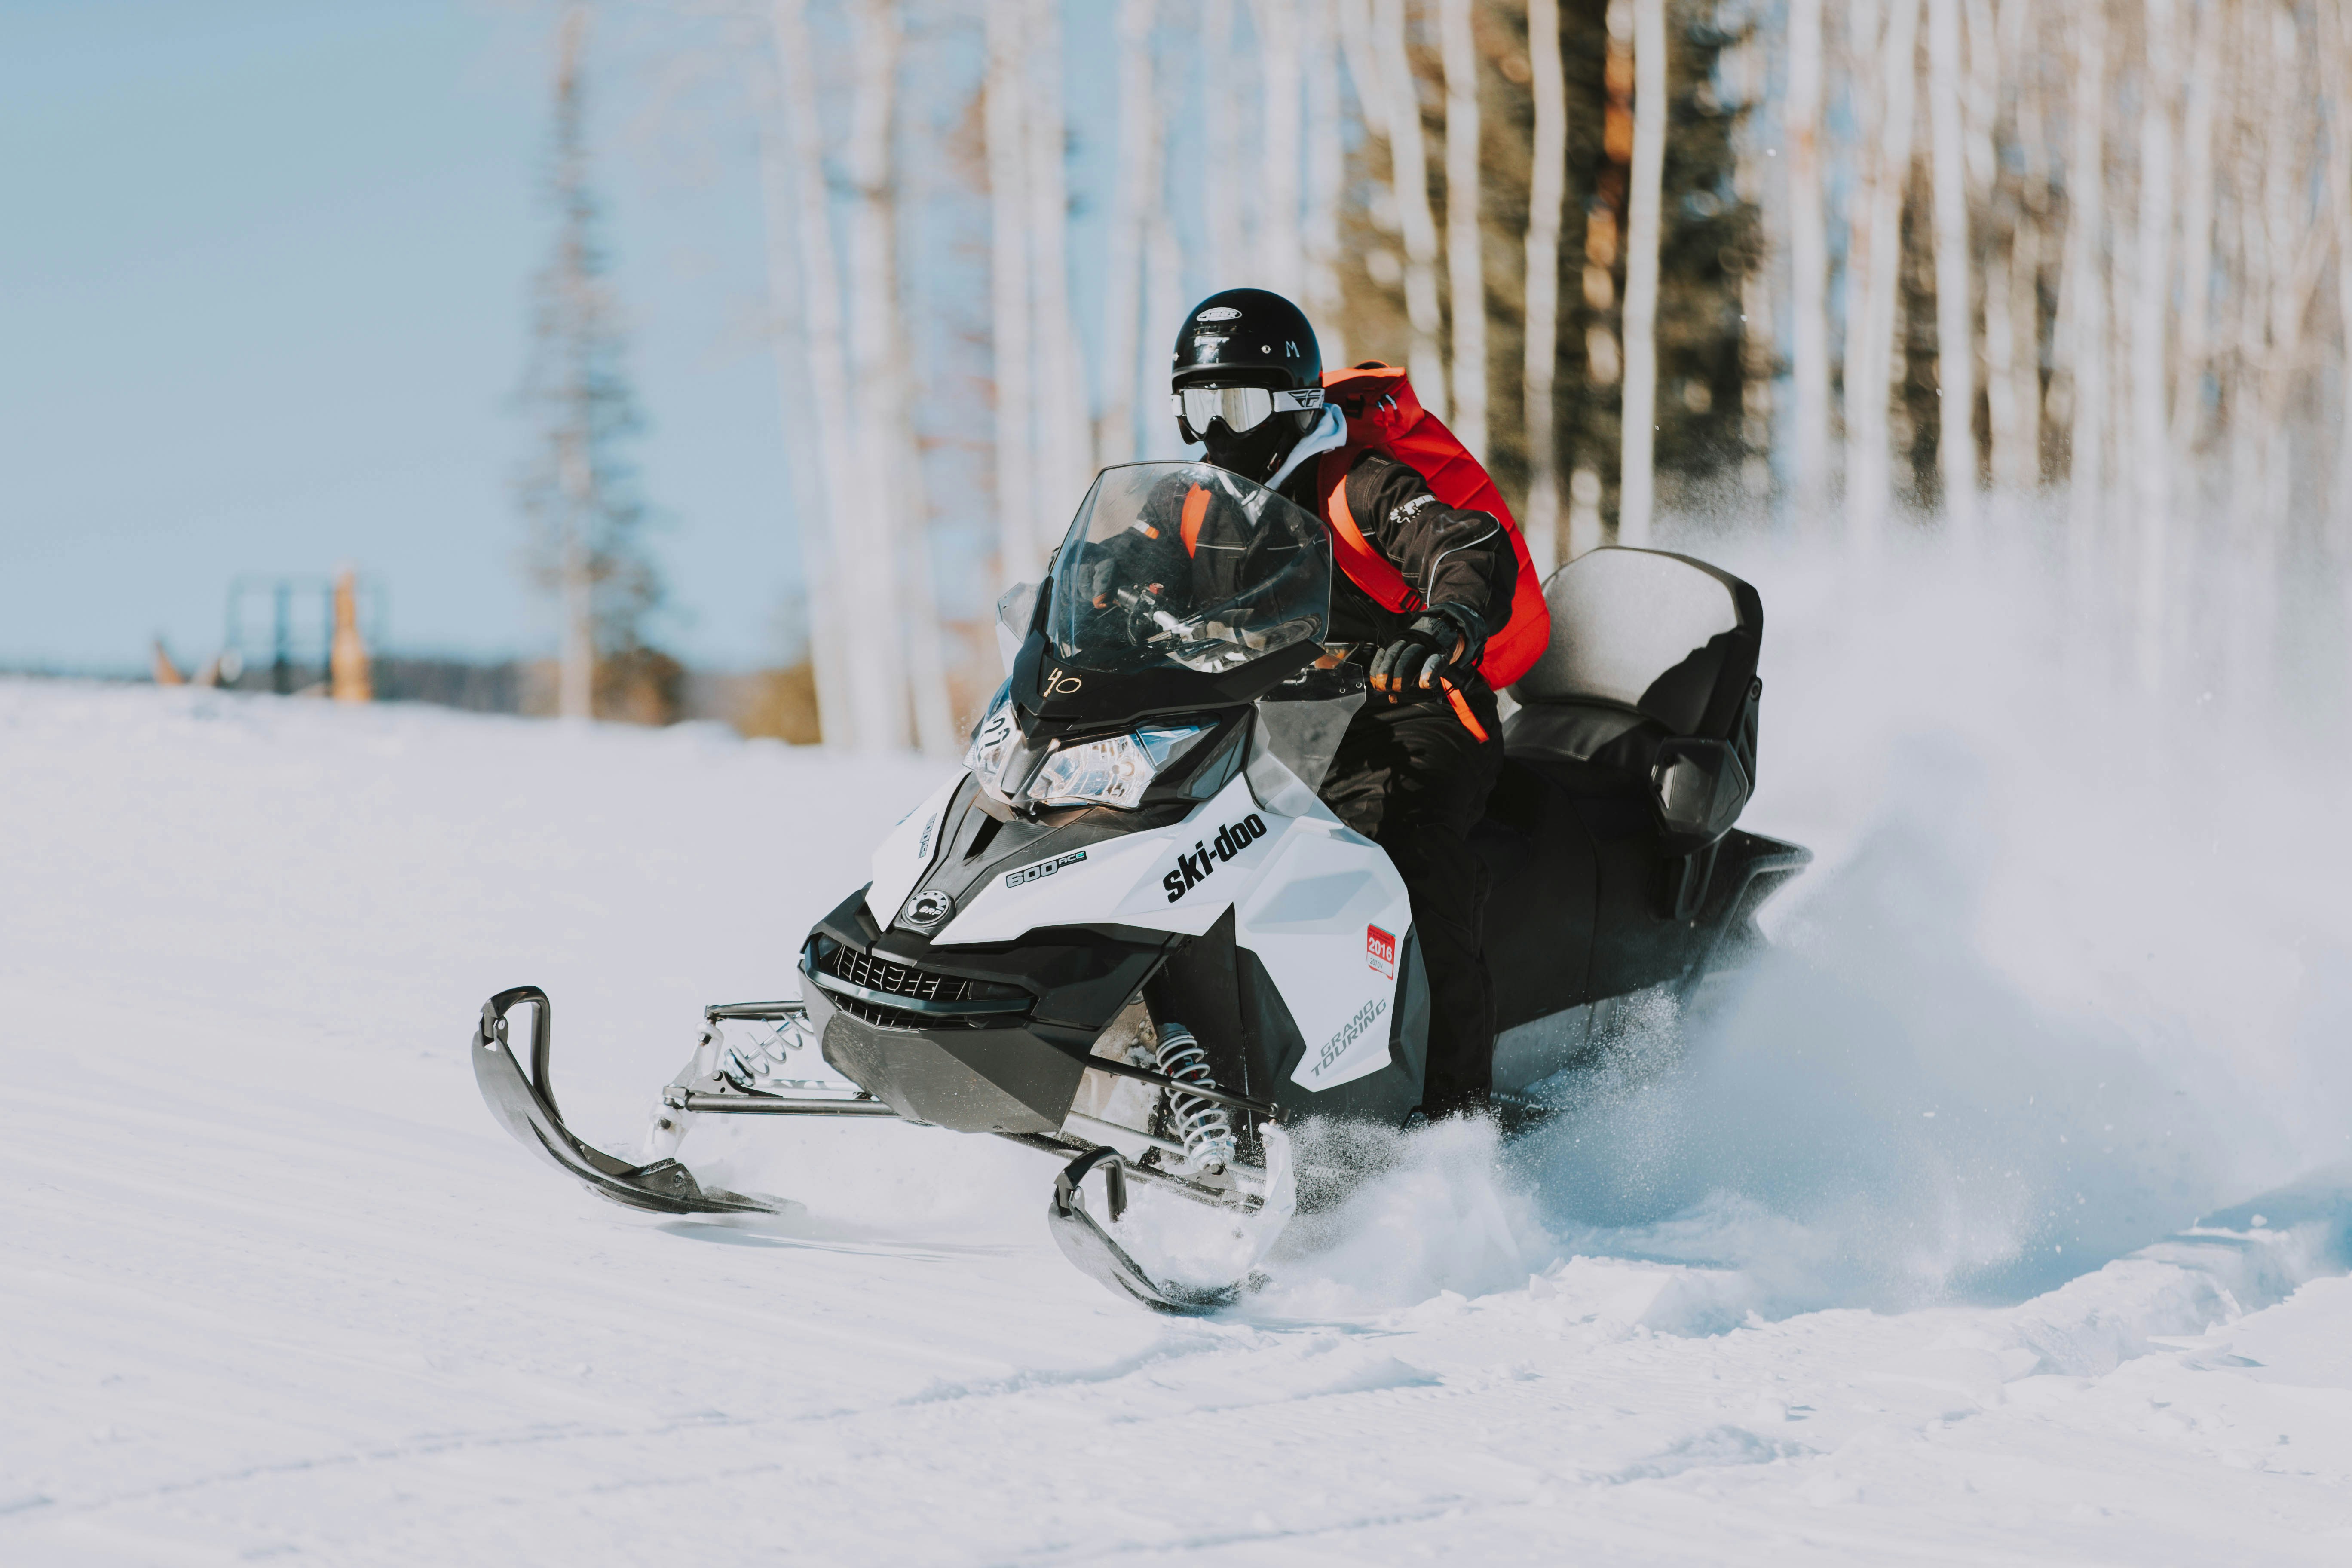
(1205, 1126)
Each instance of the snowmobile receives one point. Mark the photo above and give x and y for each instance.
(1127, 933)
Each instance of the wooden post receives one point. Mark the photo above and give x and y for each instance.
(347, 664)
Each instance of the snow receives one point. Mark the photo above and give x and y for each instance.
(2004, 1216)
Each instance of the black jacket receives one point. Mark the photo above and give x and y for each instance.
(1451, 557)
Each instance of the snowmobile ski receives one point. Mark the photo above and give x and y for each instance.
(1095, 1253)
(526, 1105)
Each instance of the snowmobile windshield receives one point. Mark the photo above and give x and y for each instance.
(1181, 565)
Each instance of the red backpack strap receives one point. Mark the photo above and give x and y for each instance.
(1366, 567)
(1196, 511)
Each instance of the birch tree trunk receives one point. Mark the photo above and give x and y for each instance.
(1327, 161)
(2196, 230)
(1364, 67)
(1123, 284)
(2151, 302)
(1007, 127)
(1369, 77)
(2012, 358)
(1637, 471)
(1548, 194)
(1466, 264)
(1870, 343)
(1229, 264)
(1409, 160)
(1067, 460)
(2027, 247)
(879, 676)
(844, 724)
(2336, 54)
(1955, 385)
(803, 419)
(936, 731)
(2086, 205)
(1280, 265)
(1809, 262)
(1163, 283)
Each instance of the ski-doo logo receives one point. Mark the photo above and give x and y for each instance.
(1043, 869)
(1193, 869)
(1379, 951)
(927, 910)
(1350, 1033)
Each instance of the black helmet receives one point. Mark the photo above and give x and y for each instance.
(1248, 338)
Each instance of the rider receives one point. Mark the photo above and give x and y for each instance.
(1410, 773)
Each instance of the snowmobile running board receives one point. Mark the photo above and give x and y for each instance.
(526, 1105)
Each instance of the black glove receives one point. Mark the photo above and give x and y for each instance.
(1446, 640)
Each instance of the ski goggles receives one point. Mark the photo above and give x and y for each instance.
(1243, 408)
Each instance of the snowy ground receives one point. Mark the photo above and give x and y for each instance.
(2005, 1218)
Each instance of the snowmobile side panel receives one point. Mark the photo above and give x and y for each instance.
(1327, 921)
(525, 1106)
(900, 860)
(1175, 877)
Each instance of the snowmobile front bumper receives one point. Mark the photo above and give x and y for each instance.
(525, 1104)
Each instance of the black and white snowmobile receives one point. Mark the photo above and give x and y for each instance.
(1128, 934)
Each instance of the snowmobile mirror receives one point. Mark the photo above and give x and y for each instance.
(1698, 789)
(1014, 612)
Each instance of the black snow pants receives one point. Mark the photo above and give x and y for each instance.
(1410, 777)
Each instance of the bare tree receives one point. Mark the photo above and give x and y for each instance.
(1874, 273)
(1007, 133)
(1400, 97)
(1130, 201)
(1809, 261)
(2197, 226)
(1066, 452)
(2151, 304)
(2085, 282)
(1326, 157)
(1465, 267)
(810, 419)
(1163, 280)
(873, 572)
(1637, 476)
(1956, 446)
(1229, 265)
(1548, 194)
(1282, 70)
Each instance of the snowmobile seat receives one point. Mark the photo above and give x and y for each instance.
(1649, 651)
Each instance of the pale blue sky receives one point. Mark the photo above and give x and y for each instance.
(263, 273)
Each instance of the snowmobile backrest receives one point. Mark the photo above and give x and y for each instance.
(1643, 634)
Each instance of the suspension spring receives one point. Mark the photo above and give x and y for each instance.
(1205, 1126)
(767, 1057)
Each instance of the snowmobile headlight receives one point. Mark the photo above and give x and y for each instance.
(1114, 771)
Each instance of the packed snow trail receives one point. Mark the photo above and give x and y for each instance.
(276, 1283)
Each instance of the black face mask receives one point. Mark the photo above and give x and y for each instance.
(1254, 454)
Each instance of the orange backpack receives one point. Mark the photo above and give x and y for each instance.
(1383, 416)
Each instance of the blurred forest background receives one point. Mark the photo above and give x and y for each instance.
(2069, 280)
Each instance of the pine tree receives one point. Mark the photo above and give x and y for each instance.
(580, 492)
